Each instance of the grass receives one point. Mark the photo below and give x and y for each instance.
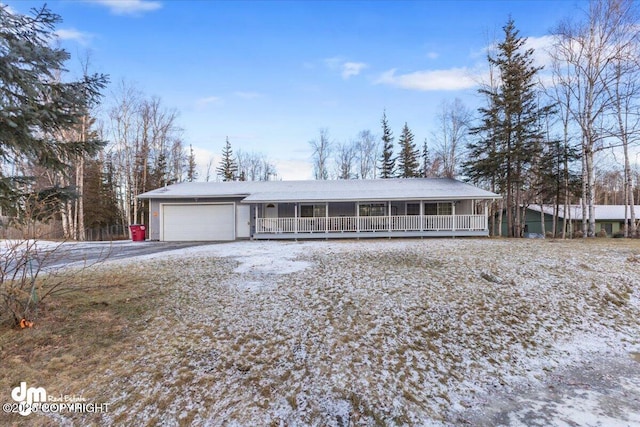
(373, 333)
(76, 335)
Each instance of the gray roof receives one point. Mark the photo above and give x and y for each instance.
(602, 212)
(331, 191)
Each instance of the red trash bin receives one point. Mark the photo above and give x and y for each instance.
(137, 232)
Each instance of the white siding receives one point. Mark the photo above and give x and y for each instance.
(243, 221)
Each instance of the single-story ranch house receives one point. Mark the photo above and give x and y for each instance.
(219, 211)
(609, 218)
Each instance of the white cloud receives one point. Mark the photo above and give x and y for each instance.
(350, 69)
(346, 68)
(209, 100)
(431, 80)
(293, 169)
(73, 34)
(129, 7)
(541, 47)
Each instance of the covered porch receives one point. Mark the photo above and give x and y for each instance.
(361, 219)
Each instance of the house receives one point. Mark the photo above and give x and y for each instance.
(222, 211)
(610, 218)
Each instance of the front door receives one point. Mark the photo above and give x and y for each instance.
(271, 210)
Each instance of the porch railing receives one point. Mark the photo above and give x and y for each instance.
(372, 224)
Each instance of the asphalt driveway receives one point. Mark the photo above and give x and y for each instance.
(64, 254)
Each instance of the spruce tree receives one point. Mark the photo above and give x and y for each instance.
(387, 162)
(228, 167)
(192, 174)
(509, 136)
(425, 168)
(35, 104)
(407, 161)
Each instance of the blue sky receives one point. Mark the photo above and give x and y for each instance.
(270, 74)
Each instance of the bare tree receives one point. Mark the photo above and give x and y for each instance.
(209, 169)
(321, 153)
(366, 147)
(345, 156)
(146, 148)
(254, 166)
(625, 93)
(123, 124)
(589, 49)
(453, 127)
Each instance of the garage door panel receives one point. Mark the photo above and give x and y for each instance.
(198, 222)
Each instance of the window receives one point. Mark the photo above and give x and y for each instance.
(607, 227)
(413, 208)
(438, 208)
(311, 211)
(373, 209)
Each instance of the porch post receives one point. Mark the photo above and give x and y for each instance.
(295, 218)
(486, 217)
(389, 225)
(326, 217)
(357, 217)
(421, 215)
(453, 215)
(256, 216)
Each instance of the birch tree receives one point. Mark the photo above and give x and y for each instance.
(345, 156)
(322, 148)
(453, 120)
(366, 152)
(589, 49)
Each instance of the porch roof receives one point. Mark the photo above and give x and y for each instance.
(326, 191)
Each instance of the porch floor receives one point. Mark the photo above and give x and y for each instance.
(369, 234)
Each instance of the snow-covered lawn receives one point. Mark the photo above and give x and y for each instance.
(386, 332)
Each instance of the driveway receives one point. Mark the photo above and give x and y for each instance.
(65, 254)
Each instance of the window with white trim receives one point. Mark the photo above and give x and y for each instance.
(373, 209)
(313, 211)
(443, 208)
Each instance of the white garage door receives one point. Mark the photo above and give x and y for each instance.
(198, 222)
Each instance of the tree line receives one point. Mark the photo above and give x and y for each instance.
(536, 138)
(369, 156)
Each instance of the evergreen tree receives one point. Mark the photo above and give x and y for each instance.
(101, 205)
(387, 162)
(192, 174)
(407, 160)
(35, 105)
(509, 136)
(425, 168)
(228, 166)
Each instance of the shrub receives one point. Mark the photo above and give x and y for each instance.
(602, 233)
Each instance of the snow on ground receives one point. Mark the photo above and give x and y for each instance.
(408, 332)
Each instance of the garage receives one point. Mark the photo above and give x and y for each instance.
(198, 222)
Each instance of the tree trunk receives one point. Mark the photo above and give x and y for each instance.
(500, 212)
(591, 194)
(542, 224)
